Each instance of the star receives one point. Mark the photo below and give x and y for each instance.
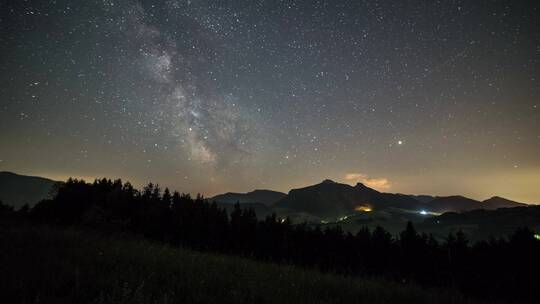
(225, 89)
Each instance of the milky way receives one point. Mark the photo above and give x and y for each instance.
(211, 96)
(208, 127)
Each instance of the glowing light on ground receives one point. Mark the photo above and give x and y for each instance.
(363, 208)
(343, 218)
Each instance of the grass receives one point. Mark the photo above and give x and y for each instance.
(41, 264)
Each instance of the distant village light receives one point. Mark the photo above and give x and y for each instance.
(423, 212)
(343, 218)
(364, 208)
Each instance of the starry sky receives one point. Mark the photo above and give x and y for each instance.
(424, 97)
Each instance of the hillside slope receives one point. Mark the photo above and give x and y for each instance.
(453, 203)
(459, 203)
(84, 267)
(483, 224)
(17, 190)
(266, 197)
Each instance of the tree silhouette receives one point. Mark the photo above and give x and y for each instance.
(493, 269)
(5, 210)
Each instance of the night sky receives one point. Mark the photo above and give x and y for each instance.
(425, 97)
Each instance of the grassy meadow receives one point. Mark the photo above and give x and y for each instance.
(44, 264)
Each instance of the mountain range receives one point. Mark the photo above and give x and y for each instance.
(330, 199)
(459, 203)
(322, 201)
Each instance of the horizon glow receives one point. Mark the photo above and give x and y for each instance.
(207, 97)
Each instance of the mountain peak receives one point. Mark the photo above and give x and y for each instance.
(328, 181)
(501, 202)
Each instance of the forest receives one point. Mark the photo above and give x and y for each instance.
(496, 269)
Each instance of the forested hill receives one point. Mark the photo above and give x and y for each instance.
(493, 269)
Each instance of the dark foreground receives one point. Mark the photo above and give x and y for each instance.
(45, 264)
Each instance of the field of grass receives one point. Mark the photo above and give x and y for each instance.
(42, 264)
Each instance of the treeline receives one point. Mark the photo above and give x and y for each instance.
(495, 269)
